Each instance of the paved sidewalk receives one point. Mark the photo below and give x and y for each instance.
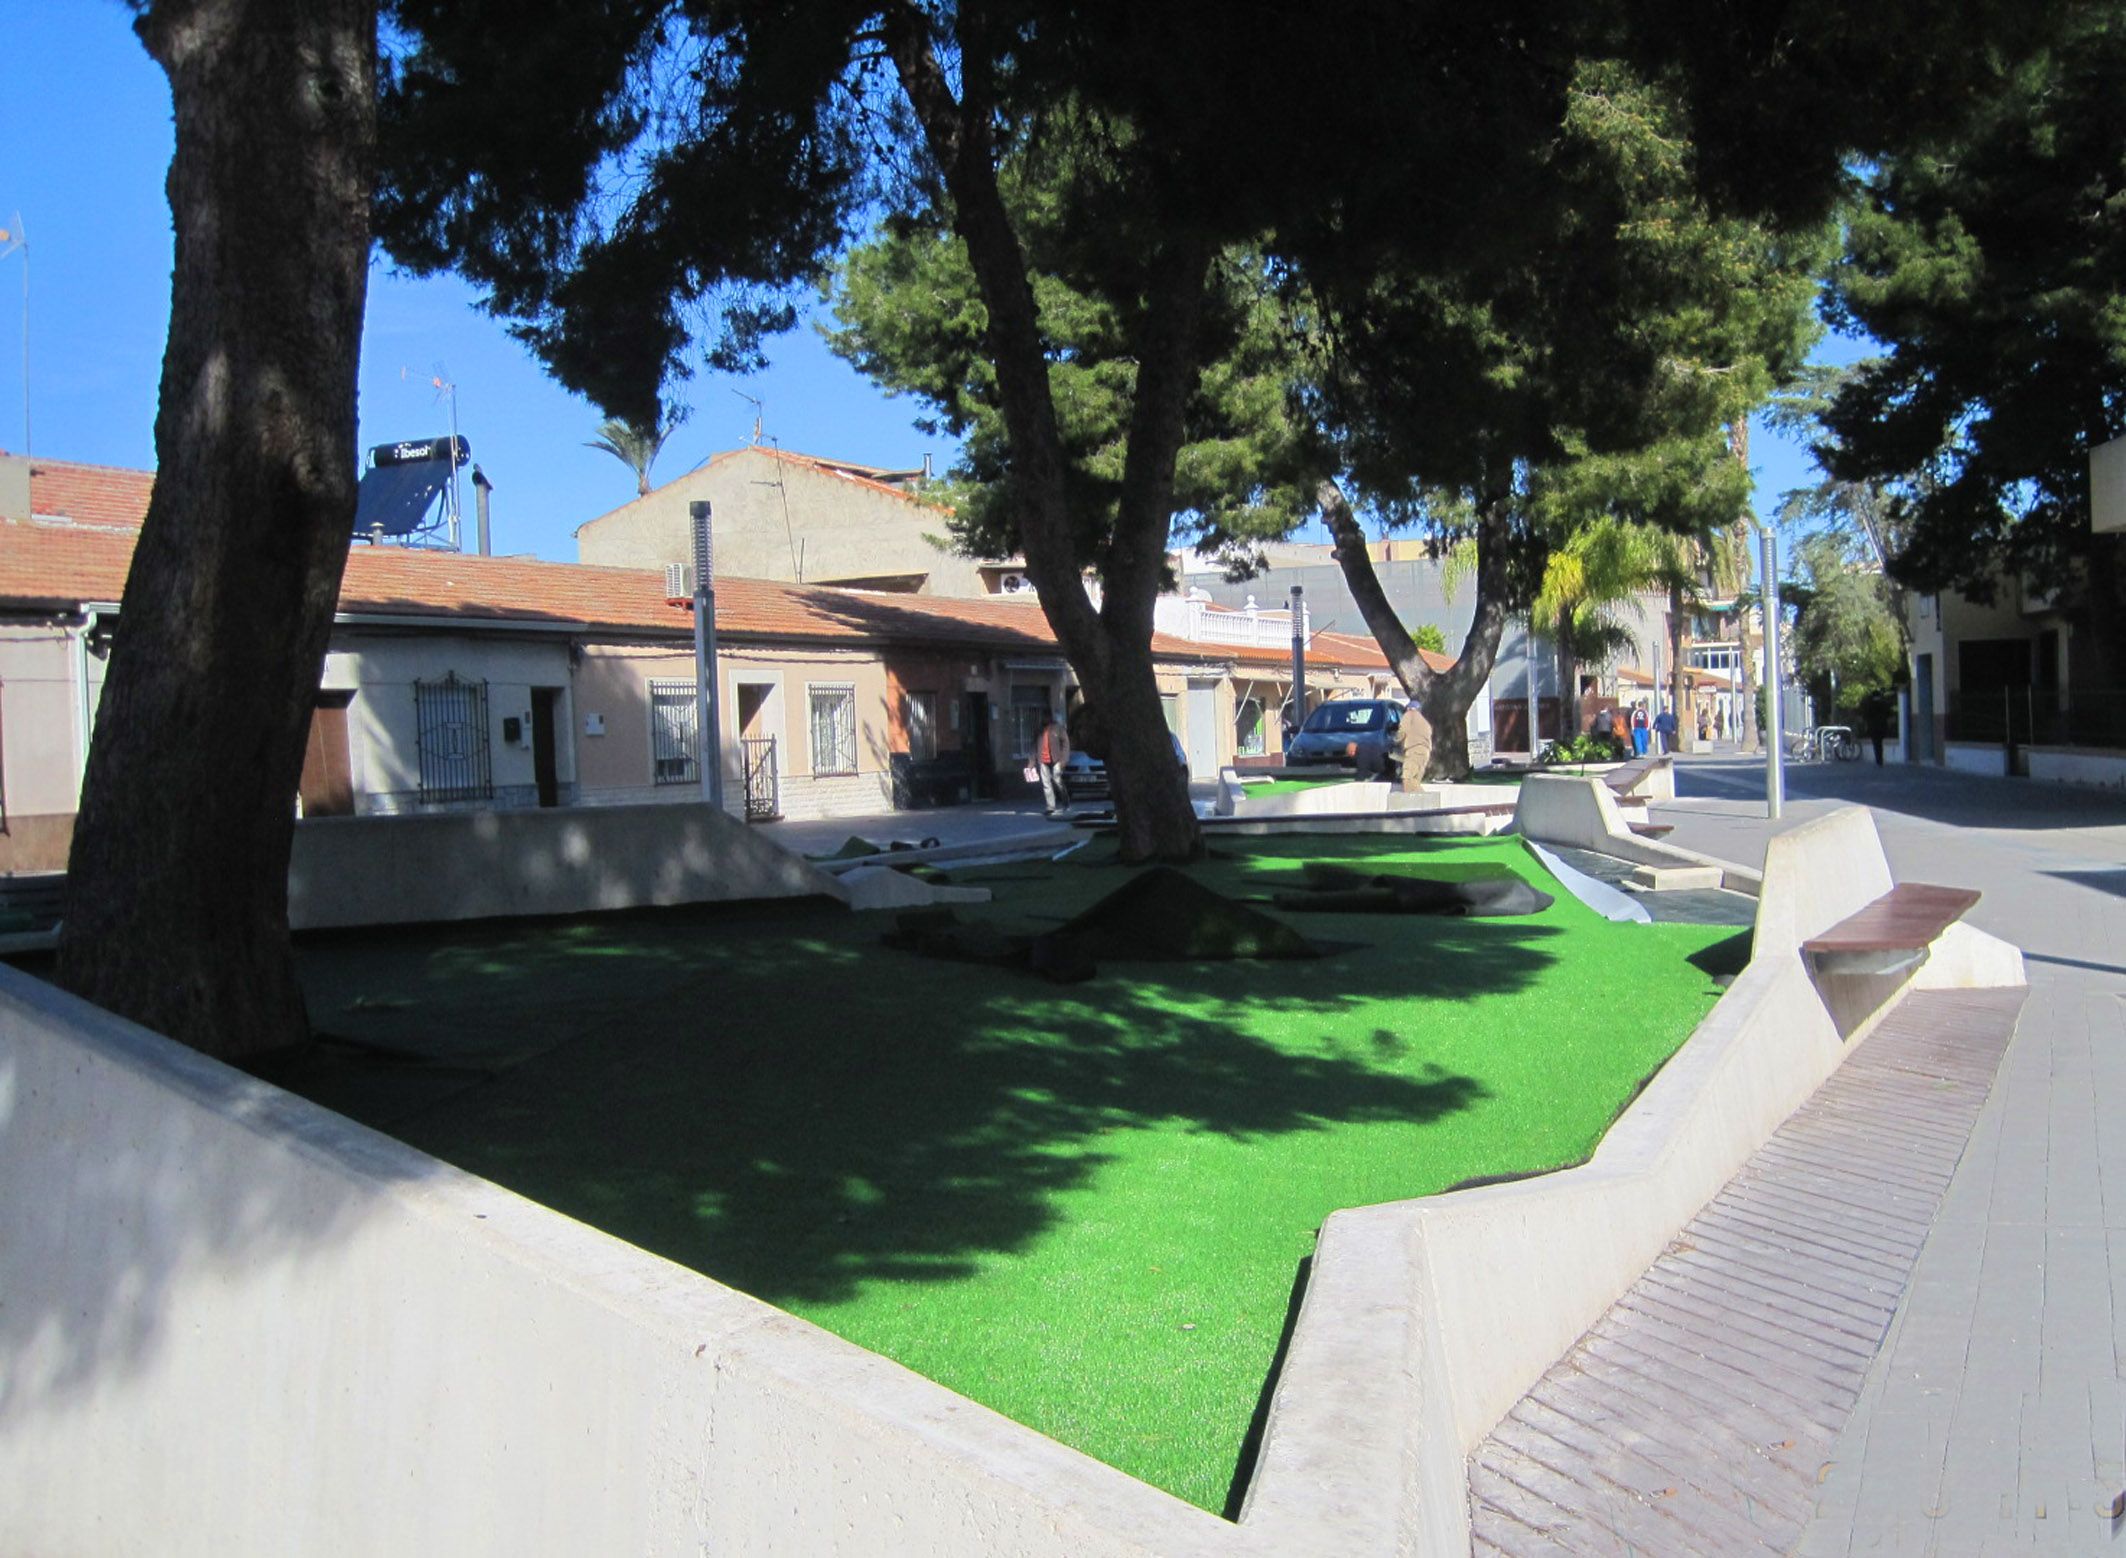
(1993, 1419)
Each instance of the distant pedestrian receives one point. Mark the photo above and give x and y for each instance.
(1665, 728)
(1051, 752)
(1875, 710)
(1641, 735)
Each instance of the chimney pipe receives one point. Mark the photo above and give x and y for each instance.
(481, 487)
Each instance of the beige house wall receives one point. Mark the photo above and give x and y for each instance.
(615, 760)
(380, 669)
(774, 518)
(43, 737)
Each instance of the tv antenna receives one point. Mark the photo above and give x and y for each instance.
(760, 411)
(446, 389)
(15, 239)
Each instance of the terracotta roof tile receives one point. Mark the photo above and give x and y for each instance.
(105, 495)
(45, 565)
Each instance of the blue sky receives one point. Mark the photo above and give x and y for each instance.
(83, 150)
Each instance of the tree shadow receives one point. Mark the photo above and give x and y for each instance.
(799, 1111)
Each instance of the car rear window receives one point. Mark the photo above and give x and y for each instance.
(1345, 716)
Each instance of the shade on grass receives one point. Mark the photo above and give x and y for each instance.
(1084, 1206)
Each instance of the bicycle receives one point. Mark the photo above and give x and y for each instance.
(1822, 743)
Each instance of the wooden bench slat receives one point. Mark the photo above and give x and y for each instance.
(1905, 919)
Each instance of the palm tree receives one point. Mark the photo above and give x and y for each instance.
(633, 445)
(1599, 569)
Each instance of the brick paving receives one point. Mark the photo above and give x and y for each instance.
(1696, 1416)
(1993, 1419)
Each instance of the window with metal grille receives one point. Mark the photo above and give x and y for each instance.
(450, 722)
(833, 729)
(1029, 712)
(922, 725)
(672, 728)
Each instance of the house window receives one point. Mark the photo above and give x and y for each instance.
(1247, 729)
(450, 723)
(1029, 712)
(833, 729)
(672, 733)
(922, 721)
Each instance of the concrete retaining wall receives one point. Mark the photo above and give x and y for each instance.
(1584, 814)
(348, 871)
(1424, 1321)
(2065, 765)
(1976, 757)
(232, 1323)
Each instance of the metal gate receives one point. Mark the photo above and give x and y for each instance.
(451, 723)
(763, 803)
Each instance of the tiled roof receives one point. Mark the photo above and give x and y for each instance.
(86, 560)
(56, 564)
(105, 495)
(838, 470)
(1347, 651)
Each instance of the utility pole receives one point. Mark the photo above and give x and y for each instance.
(1299, 658)
(708, 742)
(1775, 737)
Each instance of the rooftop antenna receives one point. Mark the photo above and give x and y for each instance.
(445, 388)
(15, 239)
(760, 411)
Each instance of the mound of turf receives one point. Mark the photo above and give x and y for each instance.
(1165, 915)
(1335, 889)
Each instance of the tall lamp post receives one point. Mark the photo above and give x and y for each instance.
(708, 758)
(1775, 739)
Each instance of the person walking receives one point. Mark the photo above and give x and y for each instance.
(1413, 741)
(1641, 735)
(1051, 752)
(1665, 728)
(1875, 710)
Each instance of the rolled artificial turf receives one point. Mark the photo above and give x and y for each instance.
(1083, 1206)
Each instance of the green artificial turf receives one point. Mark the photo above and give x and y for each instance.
(1286, 786)
(1084, 1206)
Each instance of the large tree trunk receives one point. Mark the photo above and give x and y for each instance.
(1569, 711)
(1110, 649)
(1444, 697)
(177, 895)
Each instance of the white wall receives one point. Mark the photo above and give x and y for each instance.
(383, 736)
(237, 1324)
(485, 864)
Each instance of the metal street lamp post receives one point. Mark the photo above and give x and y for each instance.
(1775, 739)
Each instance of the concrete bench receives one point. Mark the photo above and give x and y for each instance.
(1891, 934)
(1629, 776)
(1652, 830)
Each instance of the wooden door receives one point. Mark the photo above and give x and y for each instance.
(327, 785)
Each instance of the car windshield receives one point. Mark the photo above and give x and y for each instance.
(1345, 716)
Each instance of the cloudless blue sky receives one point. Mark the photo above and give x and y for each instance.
(84, 147)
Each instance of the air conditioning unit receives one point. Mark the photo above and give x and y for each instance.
(678, 581)
(1015, 584)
